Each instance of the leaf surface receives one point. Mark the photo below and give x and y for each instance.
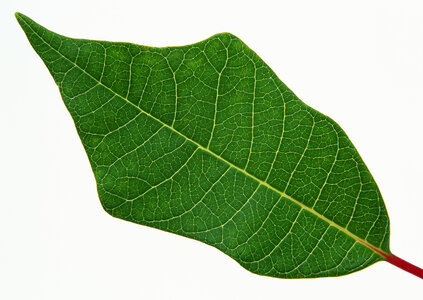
(205, 141)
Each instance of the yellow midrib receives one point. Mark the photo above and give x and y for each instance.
(330, 222)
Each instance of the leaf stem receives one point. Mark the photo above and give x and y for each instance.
(405, 265)
(398, 262)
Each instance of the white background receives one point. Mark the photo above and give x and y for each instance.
(360, 62)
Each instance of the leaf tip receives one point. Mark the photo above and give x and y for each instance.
(22, 19)
(19, 16)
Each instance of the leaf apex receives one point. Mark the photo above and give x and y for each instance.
(21, 17)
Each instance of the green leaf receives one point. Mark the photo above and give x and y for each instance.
(206, 142)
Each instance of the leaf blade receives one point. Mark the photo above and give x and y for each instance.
(269, 181)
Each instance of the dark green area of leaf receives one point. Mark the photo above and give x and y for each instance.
(206, 142)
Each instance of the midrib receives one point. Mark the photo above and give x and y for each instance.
(312, 211)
